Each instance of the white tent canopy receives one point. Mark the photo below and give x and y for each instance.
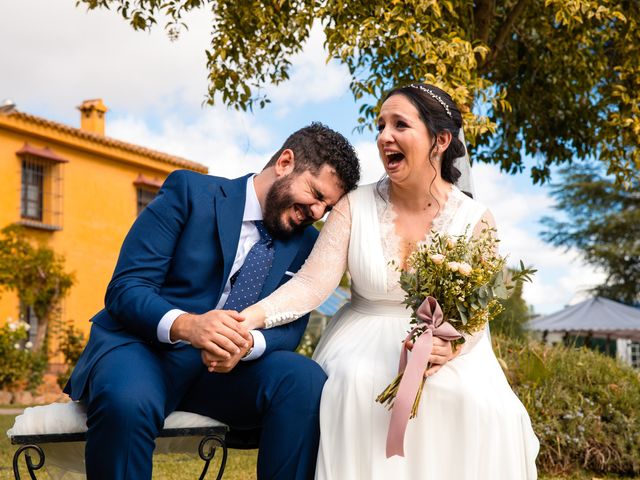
(599, 317)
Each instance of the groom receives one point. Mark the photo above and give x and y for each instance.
(203, 250)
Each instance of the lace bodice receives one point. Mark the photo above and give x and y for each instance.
(391, 241)
(363, 238)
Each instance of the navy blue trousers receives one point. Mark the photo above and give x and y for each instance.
(135, 386)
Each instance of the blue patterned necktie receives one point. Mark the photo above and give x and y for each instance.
(247, 283)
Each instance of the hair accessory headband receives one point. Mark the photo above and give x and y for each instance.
(433, 95)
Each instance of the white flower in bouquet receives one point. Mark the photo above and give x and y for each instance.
(437, 258)
(464, 268)
(453, 266)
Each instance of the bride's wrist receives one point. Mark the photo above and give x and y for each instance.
(254, 317)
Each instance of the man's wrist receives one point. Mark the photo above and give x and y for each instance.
(250, 349)
(163, 330)
(258, 346)
(178, 331)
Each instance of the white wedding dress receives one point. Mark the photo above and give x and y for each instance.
(470, 425)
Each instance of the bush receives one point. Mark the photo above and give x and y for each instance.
(584, 406)
(20, 367)
(72, 343)
(307, 344)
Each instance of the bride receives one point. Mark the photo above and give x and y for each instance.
(470, 424)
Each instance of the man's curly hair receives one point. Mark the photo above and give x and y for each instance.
(316, 145)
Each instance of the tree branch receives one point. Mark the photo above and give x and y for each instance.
(483, 13)
(505, 29)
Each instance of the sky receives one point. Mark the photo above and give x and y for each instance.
(54, 55)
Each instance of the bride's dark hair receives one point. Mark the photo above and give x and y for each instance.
(438, 112)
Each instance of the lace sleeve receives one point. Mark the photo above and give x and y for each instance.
(471, 341)
(319, 275)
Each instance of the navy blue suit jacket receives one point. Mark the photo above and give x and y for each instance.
(178, 254)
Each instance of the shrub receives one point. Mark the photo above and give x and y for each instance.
(584, 406)
(307, 344)
(72, 343)
(36, 274)
(19, 365)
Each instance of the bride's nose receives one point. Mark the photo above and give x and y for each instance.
(385, 137)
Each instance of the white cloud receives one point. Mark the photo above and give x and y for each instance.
(371, 169)
(67, 54)
(562, 279)
(561, 276)
(509, 202)
(230, 143)
(312, 79)
(55, 55)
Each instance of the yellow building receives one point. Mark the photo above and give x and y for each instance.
(79, 191)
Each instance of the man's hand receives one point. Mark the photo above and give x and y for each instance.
(441, 353)
(220, 333)
(223, 365)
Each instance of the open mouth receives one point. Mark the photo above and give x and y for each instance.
(299, 215)
(394, 158)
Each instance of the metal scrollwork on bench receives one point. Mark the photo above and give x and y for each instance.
(207, 450)
(31, 467)
(212, 438)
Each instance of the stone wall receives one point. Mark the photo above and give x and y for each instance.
(46, 393)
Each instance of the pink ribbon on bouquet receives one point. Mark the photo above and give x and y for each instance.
(430, 315)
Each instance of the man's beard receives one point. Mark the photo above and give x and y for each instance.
(277, 202)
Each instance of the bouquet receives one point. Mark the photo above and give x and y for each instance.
(453, 286)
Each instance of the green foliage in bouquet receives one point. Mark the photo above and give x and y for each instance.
(466, 276)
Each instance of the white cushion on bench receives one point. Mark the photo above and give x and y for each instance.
(71, 418)
(66, 460)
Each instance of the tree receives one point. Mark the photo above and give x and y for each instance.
(602, 221)
(555, 79)
(35, 273)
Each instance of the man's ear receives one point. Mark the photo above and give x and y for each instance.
(285, 163)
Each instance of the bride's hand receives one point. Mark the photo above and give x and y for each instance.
(441, 353)
(253, 317)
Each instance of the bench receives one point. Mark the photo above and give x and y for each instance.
(59, 431)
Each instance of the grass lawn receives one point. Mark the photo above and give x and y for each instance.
(240, 465)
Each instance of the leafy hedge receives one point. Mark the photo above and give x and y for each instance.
(585, 407)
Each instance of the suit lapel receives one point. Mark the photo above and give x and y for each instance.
(229, 208)
(285, 252)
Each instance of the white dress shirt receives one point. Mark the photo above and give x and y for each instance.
(249, 236)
